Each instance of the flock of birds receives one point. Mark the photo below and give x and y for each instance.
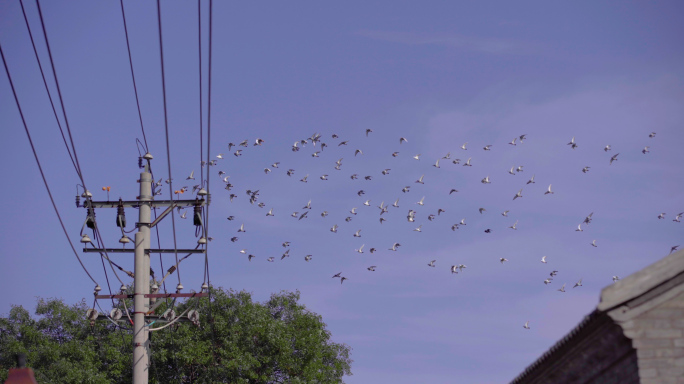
(316, 141)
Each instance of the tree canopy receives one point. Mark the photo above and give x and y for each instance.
(238, 340)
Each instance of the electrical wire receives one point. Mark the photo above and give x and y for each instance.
(42, 73)
(135, 88)
(199, 23)
(59, 92)
(166, 125)
(35, 155)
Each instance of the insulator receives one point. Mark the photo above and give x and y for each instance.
(197, 215)
(90, 218)
(120, 215)
(140, 164)
(78, 201)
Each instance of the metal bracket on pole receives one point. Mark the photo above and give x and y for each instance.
(163, 215)
(119, 250)
(153, 203)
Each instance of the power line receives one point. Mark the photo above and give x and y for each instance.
(59, 92)
(42, 73)
(135, 88)
(199, 23)
(16, 99)
(166, 126)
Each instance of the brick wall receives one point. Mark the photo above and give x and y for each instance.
(658, 337)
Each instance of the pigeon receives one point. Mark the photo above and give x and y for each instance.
(402, 140)
(462, 222)
(303, 215)
(579, 228)
(286, 254)
(295, 214)
(467, 163)
(572, 143)
(234, 239)
(548, 191)
(267, 170)
(357, 152)
(342, 279)
(237, 153)
(456, 161)
(303, 179)
(250, 257)
(334, 229)
(270, 212)
(192, 176)
(230, 145)
(519, 194)
(419, 228)
(511, 171)
(371, 268)
(645, 150)
(368, 131)
(547, 281)
(372, 250)
(585, 169)
(324, 177)
(527, 325)
(616, 278)
(453, 269)
(420, 180)
(519, 169)
(395, 154)
(335, 136)
(432, 263)
(358, 233)
(342, 143)
(522, 137)
(367, 203)
(396, 204)
(562, 289)
(183, 215)
(244, 143)
(503, 260)
(613, 158)
(337, 275)
(543, 259)
(231, 218)
(354, 176)
(270, 259)
(593, 244)
(652, 135)
(505, 213)
(678, 217)
(307, 258)
(531, 181)
(386, 171)
(607, 148)
(513, 141)
(486, 180)
(417, 157)
(290, 172)
(286, 244)
(463, 147)
(481, 210)
(453, 190)
(488, 230)
(674, 248)
(353, 211)
(360, 250)
(487, 147)
(587, 219)
(219, 156)
(553, 273)
(394, 246)
(514, 225)
(242, 228)
(421, 201)
(578, 284)
(275, 165)
(661, 216)
(348, 219)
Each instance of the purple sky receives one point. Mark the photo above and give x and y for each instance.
(434, 72)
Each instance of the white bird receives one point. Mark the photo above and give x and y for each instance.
(295, 214)
(244, 251)
(505, 213)
(547, 281)
(219, 156)
(519, 194)
(464, 146)
(386, 171)
(593, 244)
(513, 142)
(360, 250)
(358, 233)
(421, 201)
(420, 180)
(303, 179)
(417, 157)
(394, 246)
(531, 181)
(548, 191)
(616, 278)
(453, 269)
(270, 212)
(503, 259)
(572, 143)
(579, 228)
(192, 176)
(677, 218)
(527, 325)
(419, 228)
(486, 180)
(237, 153)
(275, 165)
(543, 260)
(578, 284)
(645, 150)
(353, 211)
(396, 204)
(436, 164)
(487, 147)
(242, 228)
(432, 263)
(183, 215)
(462, 222)
(367, 203)
(467, 163)
(514, 225)
(562, 289)
(511, 171)
(334, 228)
(607, 148)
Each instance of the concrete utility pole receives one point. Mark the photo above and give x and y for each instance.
(141, 296)
(141, 342)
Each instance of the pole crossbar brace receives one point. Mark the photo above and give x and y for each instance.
(153, 295)
(153, 203)
(132, 250)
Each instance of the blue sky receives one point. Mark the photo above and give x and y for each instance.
(438, 73)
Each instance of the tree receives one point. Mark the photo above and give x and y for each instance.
(237, 341)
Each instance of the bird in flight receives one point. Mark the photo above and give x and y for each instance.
(519, 194)
(548, 191)
(578, 284)
(572, 143)
(543, 260)
(531, 181)
(562, 289)
(372, 268)
(503, 260)
(613, 158)
(432, 263)
(527, 325)
(593, 244)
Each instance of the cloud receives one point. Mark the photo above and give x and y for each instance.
(478, 44)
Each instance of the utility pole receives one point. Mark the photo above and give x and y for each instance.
(141, 296)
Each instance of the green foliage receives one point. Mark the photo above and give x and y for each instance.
(237, 341)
